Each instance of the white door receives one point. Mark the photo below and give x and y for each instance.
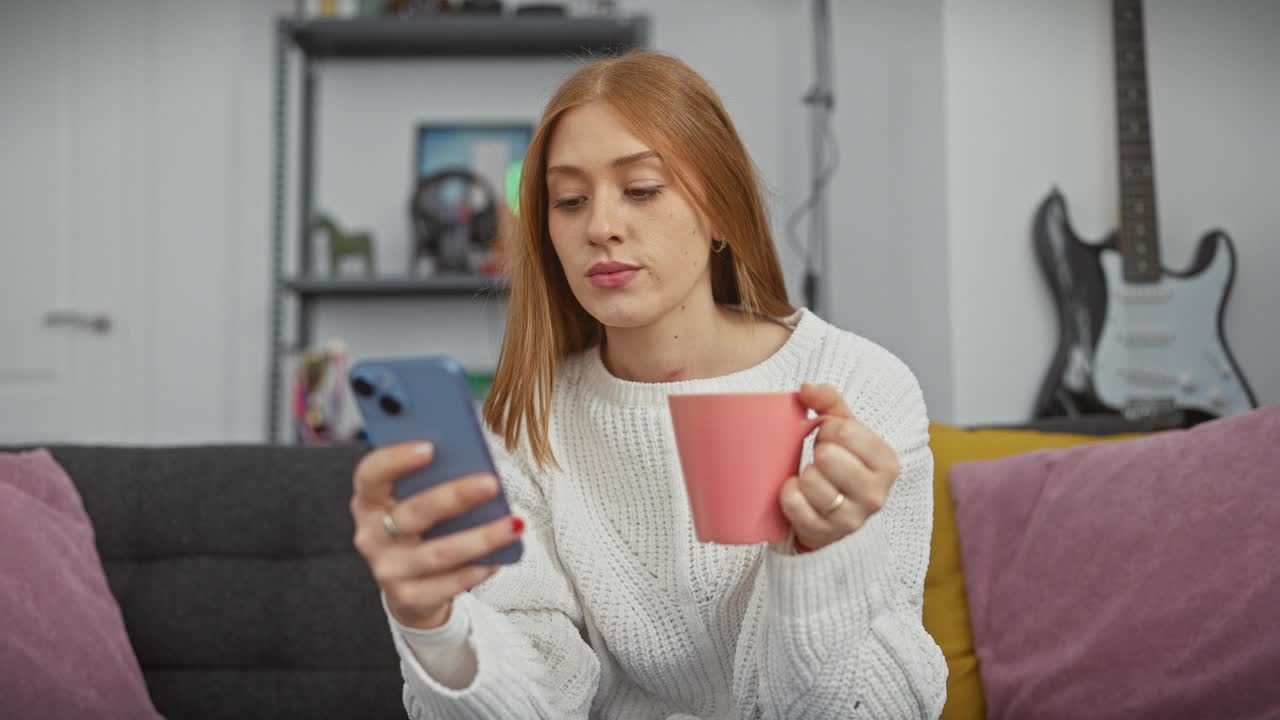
(68, 208)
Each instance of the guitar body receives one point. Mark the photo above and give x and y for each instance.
(1136, 338)
(1163, 342)
(1073, 271)
(1131, 347)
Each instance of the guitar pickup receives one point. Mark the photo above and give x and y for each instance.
(1146, 338)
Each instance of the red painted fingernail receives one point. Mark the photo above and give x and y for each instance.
(516, 525)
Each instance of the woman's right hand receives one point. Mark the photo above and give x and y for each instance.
(420, 578)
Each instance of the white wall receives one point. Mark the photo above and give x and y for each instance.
(888, 251)
(207, 163)
(952, 118)
(1027, 108)
(1029, 105)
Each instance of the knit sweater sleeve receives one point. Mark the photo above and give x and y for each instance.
(531, 659)
(839, 631)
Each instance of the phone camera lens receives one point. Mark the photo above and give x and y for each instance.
(389, 405)
(362, 387)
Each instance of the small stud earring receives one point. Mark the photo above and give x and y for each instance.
(721, 246)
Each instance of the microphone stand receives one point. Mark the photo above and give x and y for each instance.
(821, 101)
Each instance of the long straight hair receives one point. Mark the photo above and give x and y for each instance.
(679, 116)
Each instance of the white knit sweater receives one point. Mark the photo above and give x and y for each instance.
(617, 611)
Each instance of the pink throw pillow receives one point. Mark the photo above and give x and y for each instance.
(1137, 579)
(63, 648)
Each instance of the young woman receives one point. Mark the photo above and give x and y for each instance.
(644, 266)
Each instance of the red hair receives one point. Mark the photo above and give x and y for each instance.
(679, 116)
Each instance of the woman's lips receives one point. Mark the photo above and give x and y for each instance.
(612, 280)
(611, 274)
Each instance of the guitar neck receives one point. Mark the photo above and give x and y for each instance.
(1138, 235)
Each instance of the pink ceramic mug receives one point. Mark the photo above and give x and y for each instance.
(737, 450)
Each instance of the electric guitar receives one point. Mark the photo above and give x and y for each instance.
(1136, 338)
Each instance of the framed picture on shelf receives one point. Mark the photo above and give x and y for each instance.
(464, 194)
(487, 149)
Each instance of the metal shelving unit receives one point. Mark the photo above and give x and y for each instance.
(438, 285)
(465, 35)
(325, 40)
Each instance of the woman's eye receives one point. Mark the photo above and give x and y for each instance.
(570, 203)
(645, 193)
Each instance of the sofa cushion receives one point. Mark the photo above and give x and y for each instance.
(64, 651)
(946, 611)
(240, 587)
(1128, 580)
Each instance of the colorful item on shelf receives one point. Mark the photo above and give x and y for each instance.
(479, 382)
(513, 186)
(344, 244)
(332, 8)
(318, 394)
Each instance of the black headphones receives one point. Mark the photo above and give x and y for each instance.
(440, 206)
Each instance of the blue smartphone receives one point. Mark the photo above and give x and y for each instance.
(428, 398)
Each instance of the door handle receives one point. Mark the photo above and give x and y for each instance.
(99, 323)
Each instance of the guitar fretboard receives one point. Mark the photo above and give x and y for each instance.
(1138, 234)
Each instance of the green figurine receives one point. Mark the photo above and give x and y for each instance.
(342, 244)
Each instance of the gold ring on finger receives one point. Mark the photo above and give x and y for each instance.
(390, 524)
(835, 504)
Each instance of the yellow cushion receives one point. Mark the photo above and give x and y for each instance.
(946, 608)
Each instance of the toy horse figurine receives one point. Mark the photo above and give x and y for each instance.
(343, 244)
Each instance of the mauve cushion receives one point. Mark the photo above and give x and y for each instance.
(1138, 579)
(63, 648)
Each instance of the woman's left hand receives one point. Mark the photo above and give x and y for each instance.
(848, 480)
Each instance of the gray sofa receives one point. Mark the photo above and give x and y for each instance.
(235, 572)
(239, 585)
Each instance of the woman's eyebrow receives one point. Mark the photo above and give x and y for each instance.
(616, 162)
(635, 157)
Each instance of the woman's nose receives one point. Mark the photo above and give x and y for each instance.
(603, 225)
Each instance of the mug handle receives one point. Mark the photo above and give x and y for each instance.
(813, 423)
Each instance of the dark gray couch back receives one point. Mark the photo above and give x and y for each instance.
(240, 588)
